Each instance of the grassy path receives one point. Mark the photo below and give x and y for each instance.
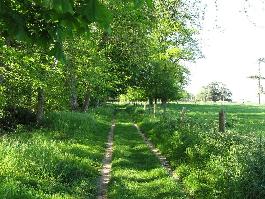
(163, 161)
(136, 172)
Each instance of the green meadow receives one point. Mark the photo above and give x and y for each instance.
(239, 117)
(63, 158)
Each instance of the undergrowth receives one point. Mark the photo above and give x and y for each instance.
(61, 160)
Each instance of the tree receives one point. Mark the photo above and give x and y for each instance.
(215, 91)
(133, 94)
(147, 52)
(140, 55)
(128, 46)
(27, 74)
(49, 22)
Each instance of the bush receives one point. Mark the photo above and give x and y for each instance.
(253, 178)
(14, 116)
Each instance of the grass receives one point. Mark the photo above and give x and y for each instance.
(136, 172)
(241, 118)
(212, 164)
(62, 161)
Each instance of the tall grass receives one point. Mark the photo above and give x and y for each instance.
(213, 164)
(62, 160)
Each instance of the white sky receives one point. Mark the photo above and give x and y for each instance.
(231, 52)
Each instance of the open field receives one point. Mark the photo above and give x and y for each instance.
(241, 118)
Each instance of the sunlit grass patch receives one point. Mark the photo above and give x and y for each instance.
(136, 172)
(212, 164)
(63, 161)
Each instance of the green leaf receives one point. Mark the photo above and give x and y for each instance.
(67, 7)
(57, 52)
(138, 3)
(102, 15)
(149, 3)
(21, 35)
(88, 10)
(60, 6)
(109, 31)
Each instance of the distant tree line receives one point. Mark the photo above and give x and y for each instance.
(215, 91)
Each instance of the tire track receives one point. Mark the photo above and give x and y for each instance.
(165, 164)
(106, 170)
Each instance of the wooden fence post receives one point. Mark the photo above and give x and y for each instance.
(222, 121)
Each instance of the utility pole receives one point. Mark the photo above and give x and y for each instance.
(259, 78)
(259, 83)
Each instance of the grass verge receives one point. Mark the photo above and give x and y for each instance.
(62, 161)
(209, 163)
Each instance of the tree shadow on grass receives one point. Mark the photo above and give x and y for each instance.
(137, 173)
(62, 161)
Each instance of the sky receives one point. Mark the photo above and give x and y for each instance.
(231, 52)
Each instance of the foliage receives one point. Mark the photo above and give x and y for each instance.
(133, 95)
(49, 23)
(86, 69)
(25, 71)
(164, 81)
(146, 40)
(215, 91)
(146, 54)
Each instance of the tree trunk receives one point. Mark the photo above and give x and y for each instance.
(222, 121)
(151, 101)
(154, 109)
(73, 101)
(40, 105)
(73, 96)
(86, 102)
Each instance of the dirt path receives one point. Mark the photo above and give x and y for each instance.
(162, 159)
(106, 170)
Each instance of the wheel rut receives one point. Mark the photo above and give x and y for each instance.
(108, 158)
(106, 170)
(165, 164)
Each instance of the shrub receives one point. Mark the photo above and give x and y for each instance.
(14, 116)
